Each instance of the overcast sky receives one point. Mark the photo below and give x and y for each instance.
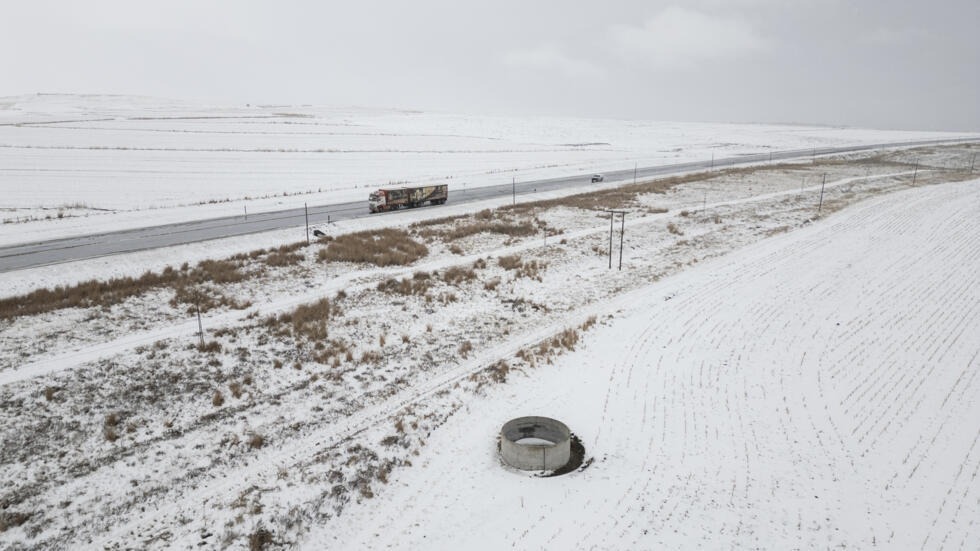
(898, 64)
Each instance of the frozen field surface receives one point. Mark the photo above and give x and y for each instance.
(818, 389)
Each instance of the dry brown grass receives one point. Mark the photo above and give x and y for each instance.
(672, 228)
(307, 321)
(456, 275)
(109, 425)
(218, 399)
(187, 282)
(12, 519)
(385, 247)
(509, 228)
(511, 262)
(498, 371)
(256, 441)
(259, 539)
(285, 255)
(210, 347)
(465, 349)
(418, 284)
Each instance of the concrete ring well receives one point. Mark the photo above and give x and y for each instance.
(535, 443)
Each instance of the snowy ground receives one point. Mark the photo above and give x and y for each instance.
(757, 375)
(84, 164)
(818, 389)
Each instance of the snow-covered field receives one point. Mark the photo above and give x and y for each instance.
(757, 375)
(818, 390)
(74, 164)
(760, 374)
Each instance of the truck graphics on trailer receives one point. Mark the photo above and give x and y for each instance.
(386, 199)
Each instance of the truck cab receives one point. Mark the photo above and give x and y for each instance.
(377, 201)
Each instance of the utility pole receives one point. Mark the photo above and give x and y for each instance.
(200, 327)
(915, 172)
(246, 211)
(712, 169)
(973, 162)
(513, 190)
(802, 181)
(770, 157)
(611, 215)
(821, 192)
(704, 203)
(307, 212)
(622, 232)
(634, 173)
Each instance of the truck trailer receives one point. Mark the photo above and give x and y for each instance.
(386, 199)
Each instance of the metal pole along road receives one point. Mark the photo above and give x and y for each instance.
(611, 215)
(622, 232)
(821, 192)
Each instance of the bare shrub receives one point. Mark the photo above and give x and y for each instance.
(218, 399)
(589, 323)
(511, 262)
(256, 441)
(236, 389)
(210, 347)
(498, 371)
(49, 392)
(492, 284)
(530, 270)
(405, 339)
(109, 425)
(385, 247)
(111, 419)
(285, 255)
(455, 249)
(259, 539)
(307, 321)
(672, 228)
(456, 275)
(417, 285)
(465, 349)
(12, 519)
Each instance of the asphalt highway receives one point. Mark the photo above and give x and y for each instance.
(30, 255)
